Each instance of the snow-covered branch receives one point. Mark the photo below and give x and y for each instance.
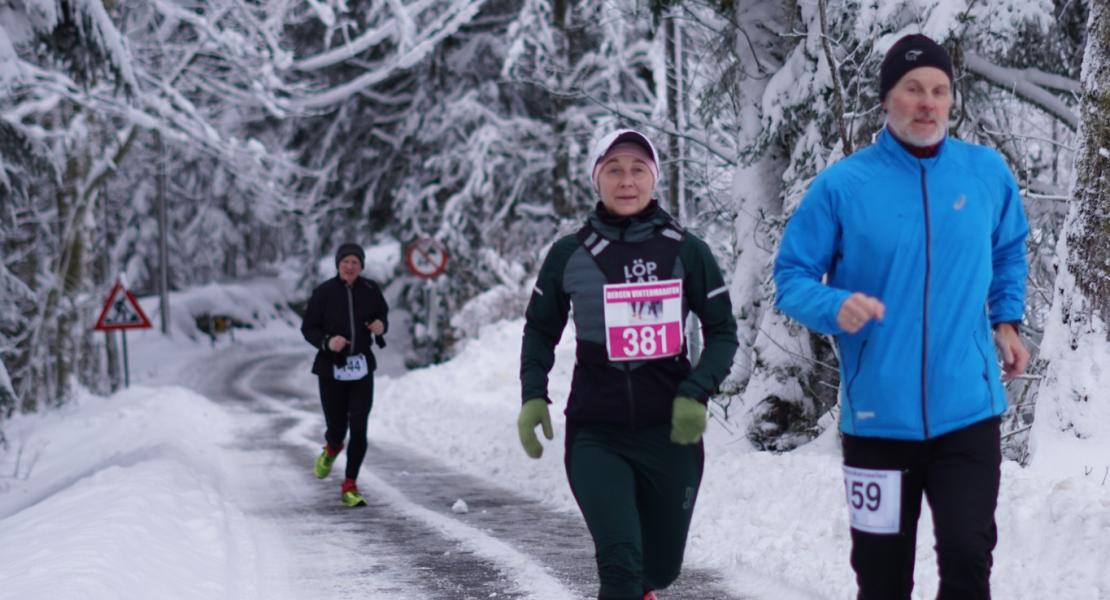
(1029, 84)
(412, 49)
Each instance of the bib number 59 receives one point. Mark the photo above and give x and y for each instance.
(864, 494)
(874, 499)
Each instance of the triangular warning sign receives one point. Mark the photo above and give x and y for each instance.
(121, 311)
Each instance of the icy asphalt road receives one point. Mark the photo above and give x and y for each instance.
(407, 544)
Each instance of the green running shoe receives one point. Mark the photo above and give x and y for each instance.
(349, 495)
(324, 463)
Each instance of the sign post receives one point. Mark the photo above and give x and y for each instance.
(122, 311)
(427, 259)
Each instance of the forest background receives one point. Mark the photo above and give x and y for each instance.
(233, 137)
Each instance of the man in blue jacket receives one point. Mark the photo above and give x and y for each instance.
(909, 252)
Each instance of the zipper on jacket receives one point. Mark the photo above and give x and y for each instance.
(986, 375)
(631, 398)
(925, 309)
(852, 381)
(351, 316)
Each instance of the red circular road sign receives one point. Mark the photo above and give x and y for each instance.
(426, 257)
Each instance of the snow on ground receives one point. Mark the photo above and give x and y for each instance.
(130, 497)
(775, 525)
(126, 497)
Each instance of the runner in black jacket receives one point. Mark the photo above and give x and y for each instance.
(343, 315)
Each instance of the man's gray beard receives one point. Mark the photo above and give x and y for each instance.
(915, 141)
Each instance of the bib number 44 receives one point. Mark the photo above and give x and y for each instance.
(356, 368)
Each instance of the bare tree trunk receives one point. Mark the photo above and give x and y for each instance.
(562, 199)
(838, 88)
(102, 274)
(1072, 403)
(62, 318)
(674, 100)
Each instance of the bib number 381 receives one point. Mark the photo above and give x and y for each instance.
(643, 321)
(644, 341)
(874, 499)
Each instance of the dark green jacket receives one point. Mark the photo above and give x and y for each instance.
(636, 394)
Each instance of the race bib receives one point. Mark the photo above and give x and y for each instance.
(874, 499)
(354, 370)
(643, 320)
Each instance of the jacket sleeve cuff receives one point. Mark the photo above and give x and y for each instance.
(1015, 324)
(832, 326)
(692, 391)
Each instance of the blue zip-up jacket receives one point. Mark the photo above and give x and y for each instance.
(940, 242)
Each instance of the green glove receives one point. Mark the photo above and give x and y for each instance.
(687, 420)
(534, 412)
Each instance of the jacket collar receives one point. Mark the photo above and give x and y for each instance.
(898, 153)
(634, 228)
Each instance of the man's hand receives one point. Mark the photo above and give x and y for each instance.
(377, 327)
(337, 343)
(534, 412)
(1015, 356)
(858, 310)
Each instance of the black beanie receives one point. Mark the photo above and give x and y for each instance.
(910, 52)
(350, 249)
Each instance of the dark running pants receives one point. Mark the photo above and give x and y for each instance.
(636, 490)
(959, 474)
(347, 404)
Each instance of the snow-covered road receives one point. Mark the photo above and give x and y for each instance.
(408, 543)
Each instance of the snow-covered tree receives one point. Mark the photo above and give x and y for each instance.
(1070, 431)
(477, 138)
(810, 96)
(560, 64)
(81, 105)
(71, 45)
